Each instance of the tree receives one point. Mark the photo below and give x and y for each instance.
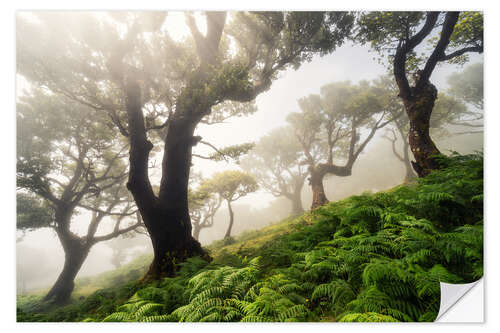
(202, 208)
(453, 35)
(447, 110)
(274, 162)
(123, 245)
(153, 87)
(67, 161)
(230, 186)
(329, 127)
(467, 86)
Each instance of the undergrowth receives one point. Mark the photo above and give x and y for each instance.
(371, 257)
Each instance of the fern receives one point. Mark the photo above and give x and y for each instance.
(372, 257)
(367, 317)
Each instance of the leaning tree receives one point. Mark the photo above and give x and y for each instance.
(334, 127)
(400, 36)
(151, 86)
(68, 160)
(230, 186)
(275, 164)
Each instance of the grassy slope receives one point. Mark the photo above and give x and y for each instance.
(373, 257)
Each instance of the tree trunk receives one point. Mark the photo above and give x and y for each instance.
(170, 231)
(296, 200)
(166, 217)
(231, 220)
(410, 175)
(75, 254)
(419, 109)
(316, 182)
(196, 231)
(168, 220)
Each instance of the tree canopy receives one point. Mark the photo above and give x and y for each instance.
(230, 186)
(68, 162)
(399, 36)
(334, 127)
(203, 204)
(154, 89)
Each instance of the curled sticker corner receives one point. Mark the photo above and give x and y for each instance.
(451, 294)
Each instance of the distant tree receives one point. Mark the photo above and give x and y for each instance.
(230, 186)
(453, 35)
(329, 129)
(275, 162)
(123, 244)
(128, 67)
(68, 160)
(202, 208)
(467, 86)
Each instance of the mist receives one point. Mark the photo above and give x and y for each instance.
(376, 169)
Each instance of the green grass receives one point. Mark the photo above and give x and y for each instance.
(371, 257)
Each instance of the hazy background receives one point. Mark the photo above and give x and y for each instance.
(376, 169)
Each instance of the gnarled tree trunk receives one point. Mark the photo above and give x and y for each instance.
(419, 109)
(167, 216)
(168, 221)
(410, 175)
(75, 252)
(316, 182)
(231, 220)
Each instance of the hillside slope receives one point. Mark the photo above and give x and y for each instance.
(372, 257)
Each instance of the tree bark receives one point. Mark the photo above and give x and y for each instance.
(168, 222)
(166, 217)
(419, 100)
(419, 109)
(316, 182)
(231, 220)
(75, 252)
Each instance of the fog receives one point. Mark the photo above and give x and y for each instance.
(376, 169)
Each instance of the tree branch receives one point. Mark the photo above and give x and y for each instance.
(450, 20)
(404, 48)
(116, 233)
(478, 49)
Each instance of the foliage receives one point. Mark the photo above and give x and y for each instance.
(32, 213)
(384, 31)
(231, 184)
(276, 163)
(234, 152)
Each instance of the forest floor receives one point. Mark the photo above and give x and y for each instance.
(371, 257)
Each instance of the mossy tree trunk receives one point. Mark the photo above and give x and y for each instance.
(316, 182)
(419, 109)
